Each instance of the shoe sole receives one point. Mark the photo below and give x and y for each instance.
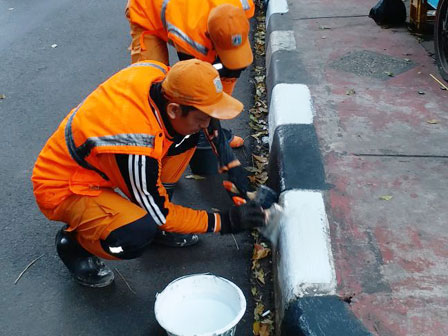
(95, 285)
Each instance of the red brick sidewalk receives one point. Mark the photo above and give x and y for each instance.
(382, 123)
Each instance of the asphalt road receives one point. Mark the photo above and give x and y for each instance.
(41, 84)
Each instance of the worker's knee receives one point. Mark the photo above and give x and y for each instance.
(129, 241)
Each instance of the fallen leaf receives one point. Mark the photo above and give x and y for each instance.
(386, 198)
(265, 330)
(255, 264)
(260, 252)
(256, 328)
(254, 291)
(252, 169)
(195, 177)
(260, 158)
(259, 275)
(432, 121)
(259, 308)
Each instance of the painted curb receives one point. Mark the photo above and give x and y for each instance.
(305, 279)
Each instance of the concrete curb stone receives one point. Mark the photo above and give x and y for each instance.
(305, 280)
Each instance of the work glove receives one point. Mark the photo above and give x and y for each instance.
(238, 177)
(242, 218)
(238, 186)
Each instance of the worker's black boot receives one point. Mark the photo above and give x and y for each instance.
(175, 239)
(87, 269)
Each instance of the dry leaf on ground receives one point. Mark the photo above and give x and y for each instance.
(195, 177)
(432, 121)
(260, 252)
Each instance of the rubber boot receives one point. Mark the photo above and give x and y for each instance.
(175, 239)
(87, 269)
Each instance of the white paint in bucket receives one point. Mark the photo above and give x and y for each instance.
(200, 305)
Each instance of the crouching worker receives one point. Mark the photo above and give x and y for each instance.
(136, 132)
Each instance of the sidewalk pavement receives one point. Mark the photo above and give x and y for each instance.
(358, 148)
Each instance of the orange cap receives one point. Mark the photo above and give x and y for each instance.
(197, 83)
(228, 28)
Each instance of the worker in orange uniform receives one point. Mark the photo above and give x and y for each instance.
(209, 30)
(136, 132)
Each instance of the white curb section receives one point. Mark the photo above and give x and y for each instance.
(276, 6)
(305, 261)
(290, 104)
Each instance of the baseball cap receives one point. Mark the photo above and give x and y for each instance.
(196, 83)
(228, 28)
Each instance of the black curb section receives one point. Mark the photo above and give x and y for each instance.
(321, 315)
(295, 160)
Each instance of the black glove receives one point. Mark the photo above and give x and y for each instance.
(243, 217)
(239, 178)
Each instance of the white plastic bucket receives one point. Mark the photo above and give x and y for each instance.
(200, 305)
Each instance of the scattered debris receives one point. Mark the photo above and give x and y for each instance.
(432, 121)
(54, 45)
(195, 177)
(266, 313)
(324, 27)
(122, 277)
(26, 268)
(236, 243)
(390, 74)
(2, 96)
(386, 198)
(442, 86)
(261, 269)
(350, 92)
(421, 92)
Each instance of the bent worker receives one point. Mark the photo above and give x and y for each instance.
(215, 32)
(136, 132)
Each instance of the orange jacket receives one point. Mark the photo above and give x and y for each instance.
(116, 118)
(182, 23)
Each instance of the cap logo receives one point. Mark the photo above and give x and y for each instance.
(237, 40)
(218, 85)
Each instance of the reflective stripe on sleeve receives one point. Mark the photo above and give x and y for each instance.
(245, 4)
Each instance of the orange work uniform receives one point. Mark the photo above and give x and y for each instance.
(75, 174)
(181, 23)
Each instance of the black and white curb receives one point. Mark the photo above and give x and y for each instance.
(305, 280)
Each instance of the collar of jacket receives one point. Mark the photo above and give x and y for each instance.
(155, 93)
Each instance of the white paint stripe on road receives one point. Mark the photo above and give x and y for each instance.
(279, 40)
(276, 6)
(305, 265)
(290, 104)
